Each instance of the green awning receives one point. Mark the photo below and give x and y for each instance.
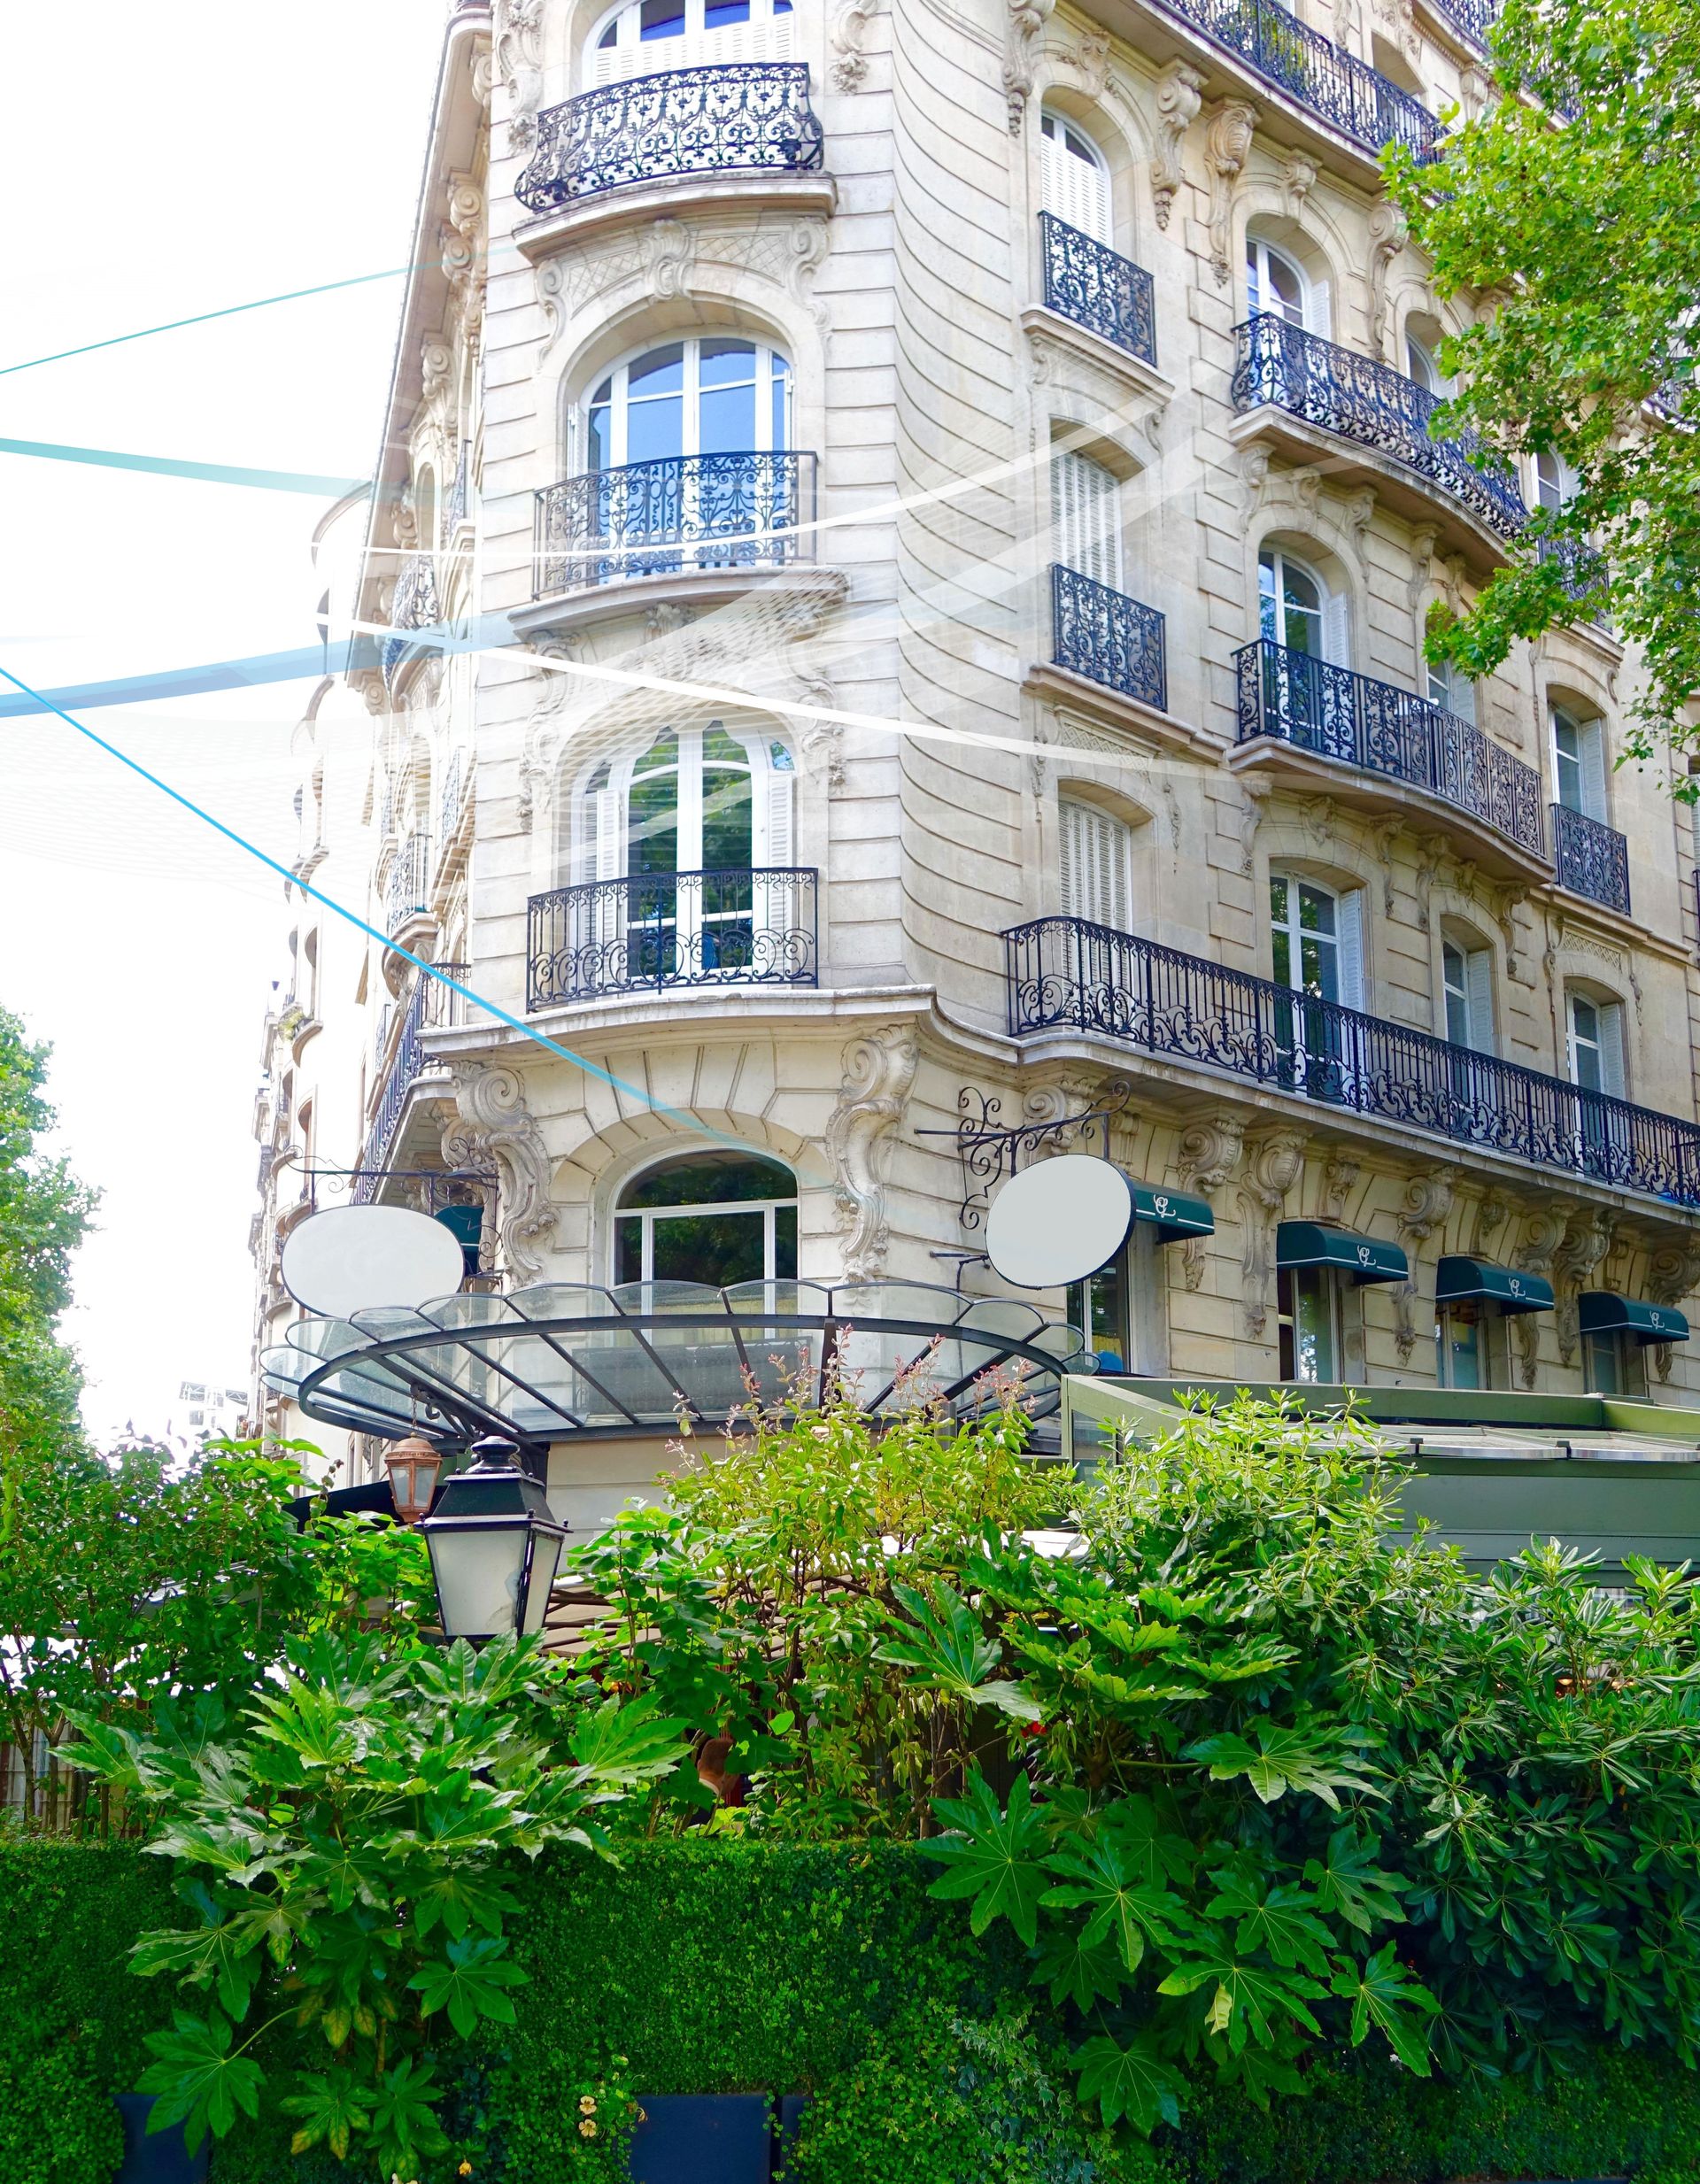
(1602, 1312)
(1512, 1291)
(1308, 1244)
(1175, 1215)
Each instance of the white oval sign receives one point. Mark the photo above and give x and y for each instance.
(1059, 1221)
(356, 1258)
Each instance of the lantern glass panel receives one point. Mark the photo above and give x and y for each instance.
(478, 1572)
(545, 1560)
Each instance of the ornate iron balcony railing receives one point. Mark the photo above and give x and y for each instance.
(429, 1005)
(414, 606)
(1097, 288)
(739, 117)
(675, 514)
(1335, 713)
(1471, 18)
(1108, 637)
(1584, 566)
(753, 927)
(1593, 859)
(1357, 99)
(407, 893)
(1363, 399)
(457, 779)
(1063, 971)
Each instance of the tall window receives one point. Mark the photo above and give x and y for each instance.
(1074, 178)
(1452, 689)
(1578, 762)
(1423, 365)
(1467, 980)
(711, 395)
(1277, 284)
(1085, 518)
(712, 1218)
(1317, 940)
(1471, 1348)
(1613, 1362)
(1295, 609)
(1095, 857)
(700, 799)
(1597, 1044)
(644, 36)
(1307, 1321)
(1555, 482)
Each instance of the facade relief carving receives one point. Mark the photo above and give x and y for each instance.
(1274, 1163)
(1543, 1229)
(1586, 1238)
(848, 71)
(516, 50)
(1179, 93)
(1389, 232)
(1208, 1154)
(495, 1129)
(878, 1074)
(1027, 20)
(1227, 146)
(1427, 1202)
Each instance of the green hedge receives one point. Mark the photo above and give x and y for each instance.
(723, 1966)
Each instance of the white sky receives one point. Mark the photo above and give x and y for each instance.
(164, 167)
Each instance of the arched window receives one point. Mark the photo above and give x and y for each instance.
(1555, 482)
(1596, 1057)
(1074, 178)
(644, 36)
(1422, 365)
(1578, 762)
(715, 1217)
(698, 798)
(1095, 857)
(1467, 988)
(1296, 608)
(1277, 284)
(1085, 518)
(711, 395)
(1317, 938)
(1451, 688)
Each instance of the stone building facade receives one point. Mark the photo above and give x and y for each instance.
(905, 536)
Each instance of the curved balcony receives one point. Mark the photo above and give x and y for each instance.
(1335, 85)
(1096, 288)
(655, 931)
(1063, 973)
(1331, 713)
(678, 514)
(407, 891)
(740, 118)
(1362, 400)
(1472, 19)
(1593, 859)
(1108, 637)
(415, 605)
(429, 1006)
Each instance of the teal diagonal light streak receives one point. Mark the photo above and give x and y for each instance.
(179, 467)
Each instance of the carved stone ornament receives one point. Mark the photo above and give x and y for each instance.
(1255, 790)
(1027, 20)
(1297, 182)
(1385, 834)
(1180, 91)
(1207, 1154)
(878, 1072)
(1340, 1177)
(517, 49)
(849, 69)
(1587, 1240)
(1427, 1202)
(1273, 1165)
(1543, 1229)
(495, 1127)
(1227, 146)
(1389, 232)
(1090, 60)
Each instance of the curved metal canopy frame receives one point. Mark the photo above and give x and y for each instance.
(566, 1361)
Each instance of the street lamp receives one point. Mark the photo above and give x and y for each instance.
(494, 1545)
(412, 1465)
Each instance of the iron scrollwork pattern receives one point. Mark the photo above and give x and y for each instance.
(1365, 400)
(1097, 288)
(1335, 713)
(407, 891)
(1593, 859)
(430, 1005)
(1065, 972)
(988, 1151)
(1108, 637)
(414, 606)
(1471, 18)
(737, 117)
(753, 927)
(1357, 99)
(675, 514)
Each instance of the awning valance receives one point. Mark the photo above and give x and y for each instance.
(1174, 1214)
(1461, 1279)
(1366, 1259)
(1602, 1312)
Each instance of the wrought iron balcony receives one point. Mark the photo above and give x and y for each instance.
(1584, 568)
(414, 606)
(753, 927)
(1363, 399)
(1593, 859)
(739, 118)
(407, 893)
(1065, 973)
(457, 779)
(1471, 18)
(1335, 713)
(678, 513)
(1356, 99)
(1108, 637)
(429, 1005)
(1108, 294)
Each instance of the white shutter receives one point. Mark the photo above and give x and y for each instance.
(1076, 191)
(1336, 630)
(1612, 1073)
(1479, 990)
(607, 844)
(1093, 853)
(779, 844)
(1318, 317)
(1350, 914)
(1085, 503)
(1591, 740)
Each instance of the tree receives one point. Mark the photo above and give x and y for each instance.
(43, 1213)
(1573, 207)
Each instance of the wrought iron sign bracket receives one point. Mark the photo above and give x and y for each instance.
(988, 1153)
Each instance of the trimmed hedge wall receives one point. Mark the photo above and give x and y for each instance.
(726, 1967)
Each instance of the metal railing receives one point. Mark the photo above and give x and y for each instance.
(1064, 972)
(413, 607)
(1584, 569)
(1097, 288)
(1355, 98)
(429, 1006)
(1335, 713)
(1108, 637)
(1363, 399)
(1593, 859)
(751, 926)
(456, 777)
(737, 117)
(456, 507)
(673, 515)
(407, 889)
(1471, 18)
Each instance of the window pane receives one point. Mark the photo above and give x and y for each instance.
(1316, 909)
(784, 1243)
(1313, 1332)
(660, 372)
(653, 834)
(715, 1248)
(599, 447)
(629, 1250)
(724, 362)
(662, 19)
(717, 14)
(710, 1179)
(655, 430)
(1461, 1338)
(727, 417)
(728, 841)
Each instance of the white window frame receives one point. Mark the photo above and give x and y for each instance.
(1335, 621)
(602, 815)
(649, 1215)
(1607, 1045)
(1094, 864)
(1082, 200)
(1472, 987)
(1427, 374)
(1350, 982)
(617, 380)
(1628, 1363)
(1262, 298)
(767, 36)
(1329, 1280)
(1493, 1347)
(1589, 761)
(1086, 517)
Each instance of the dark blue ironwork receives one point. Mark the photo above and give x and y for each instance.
(1108, 637)
(1585, 570)
(1064, 972)
(1357, 99)
(1363, 399)
(429, 1006)
(1474, 20)
(1097, 288)
(677, 513)
(408, 890)
(737, 117)
(1335, 713)
(414, 606)
(750, 927)
(1593, 859)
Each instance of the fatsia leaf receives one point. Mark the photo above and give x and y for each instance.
(1148, 1838)
(995, 1856)
(1385, 1993)
(404, 2123)
(1249, 2001)
(460, 1900)
(195, 2079)
(1078, 1971)
(624, 1745)
(1121, 1907)
(468, 1980)
(1350, 1883)
(1132, 2081)
(1282, 1921)
(332, 2106)
(946, 1648)
(1283, 1759)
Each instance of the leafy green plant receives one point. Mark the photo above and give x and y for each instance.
(338, 1848)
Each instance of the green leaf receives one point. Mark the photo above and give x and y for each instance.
(1078, 1971)
(332, 2106)
(1132, 2081)
(1349, 1882)
(403, 2126)
(1283, 1759)
(1121, 1907)
(625, 1744)
(468, 1981)
(1386, 1993)
(1249, 2001)
(195, 2080)
(944, 1647)
(1282, 1921)
(995, 1856)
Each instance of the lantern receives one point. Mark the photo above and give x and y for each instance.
(494, 1545)
(412, 1465)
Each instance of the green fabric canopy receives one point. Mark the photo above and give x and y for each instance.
(1511, 1290)
(1309, 1244)
(1175, 1215)
(1602, 1312)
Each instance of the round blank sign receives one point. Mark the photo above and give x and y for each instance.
(1059, 1221)
(357, 1258)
